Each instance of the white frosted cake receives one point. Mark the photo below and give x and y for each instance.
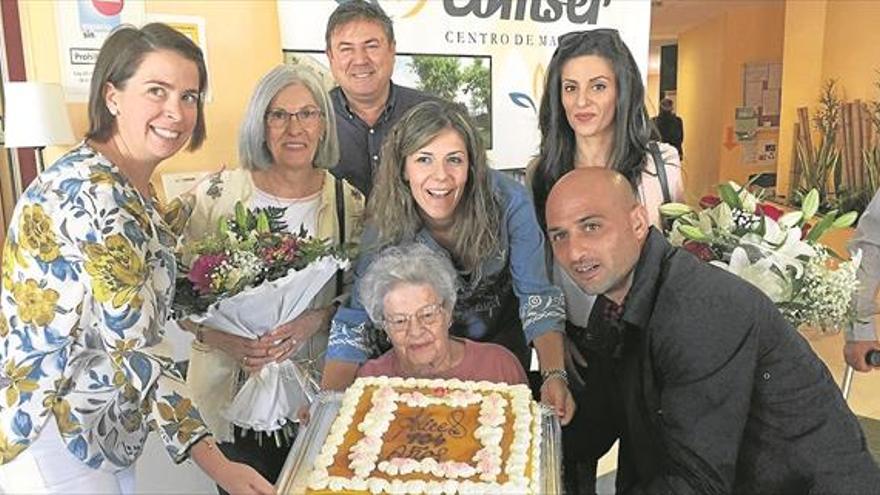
(395, 435)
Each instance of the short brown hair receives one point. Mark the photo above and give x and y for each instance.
(122, 54)
(358, 10)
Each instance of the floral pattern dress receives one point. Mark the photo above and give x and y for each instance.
(87, 277)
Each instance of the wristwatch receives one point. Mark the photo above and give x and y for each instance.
(555, 373)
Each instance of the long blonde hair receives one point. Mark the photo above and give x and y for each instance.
(394, 212)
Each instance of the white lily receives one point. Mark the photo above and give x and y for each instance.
(758, 274)
(791, 219)
(749, 201)
(772, 232)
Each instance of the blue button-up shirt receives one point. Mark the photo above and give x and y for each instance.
(359, 143)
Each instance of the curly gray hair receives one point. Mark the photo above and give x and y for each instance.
(406, 264)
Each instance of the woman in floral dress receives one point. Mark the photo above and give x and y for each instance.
(87, 276)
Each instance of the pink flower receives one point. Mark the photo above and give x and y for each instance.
(200, 272)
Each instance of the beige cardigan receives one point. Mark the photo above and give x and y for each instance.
(212, 373)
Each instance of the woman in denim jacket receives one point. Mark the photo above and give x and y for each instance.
(435, 187)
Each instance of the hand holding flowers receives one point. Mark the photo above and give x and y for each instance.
(251, 285)
(778, 253)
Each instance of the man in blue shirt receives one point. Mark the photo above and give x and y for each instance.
(361, 50)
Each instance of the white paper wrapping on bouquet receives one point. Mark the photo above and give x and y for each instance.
(269, 399)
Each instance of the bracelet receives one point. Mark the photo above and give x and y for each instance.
(556, 373)
(200, 334)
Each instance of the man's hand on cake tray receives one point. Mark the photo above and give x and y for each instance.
(289, 337)
(555, 393)
(574, 360)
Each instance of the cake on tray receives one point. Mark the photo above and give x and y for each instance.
(396, 435)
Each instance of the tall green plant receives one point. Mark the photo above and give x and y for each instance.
(858, 197)
(871, 157)
(819, 165)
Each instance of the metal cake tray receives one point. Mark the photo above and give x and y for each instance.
(310, 440)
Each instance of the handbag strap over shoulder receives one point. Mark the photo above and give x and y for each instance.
(340, 219)
(660, 165)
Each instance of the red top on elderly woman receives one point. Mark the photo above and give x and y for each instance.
(481, 361)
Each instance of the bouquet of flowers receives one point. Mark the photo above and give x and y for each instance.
(778, 252)
(247, 278)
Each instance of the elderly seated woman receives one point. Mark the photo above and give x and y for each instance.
(409, 291)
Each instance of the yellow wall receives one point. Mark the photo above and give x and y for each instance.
(711, 57)
(801, 75)
(699, 82)
(845, 34)
(752, 35)
(652, 90)
(243, 43)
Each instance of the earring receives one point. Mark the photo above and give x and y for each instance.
(112, 110)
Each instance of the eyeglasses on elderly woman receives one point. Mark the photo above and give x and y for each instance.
(426, 316)
(279, 117)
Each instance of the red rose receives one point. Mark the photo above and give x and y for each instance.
(699, 249)
(805, 230)
(709, 201)
(768, 210)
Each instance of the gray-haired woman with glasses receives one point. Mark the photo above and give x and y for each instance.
(410, 291)
(286, 144)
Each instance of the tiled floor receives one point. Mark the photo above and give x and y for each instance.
(864, 398)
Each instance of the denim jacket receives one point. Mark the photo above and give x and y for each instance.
(517, 269)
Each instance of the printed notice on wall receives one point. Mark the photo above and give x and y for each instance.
(83, 25)
(762, 90)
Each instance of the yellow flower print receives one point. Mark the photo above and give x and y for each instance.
(9, 450)
(4, 325)
(176, 213)
(35, 305)
(99, 176)
(54, 401)
(180, 414)
(123, 349)
(16, 376)
(136, 209)
(12, 259)
(117, 271)
(36, 235)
